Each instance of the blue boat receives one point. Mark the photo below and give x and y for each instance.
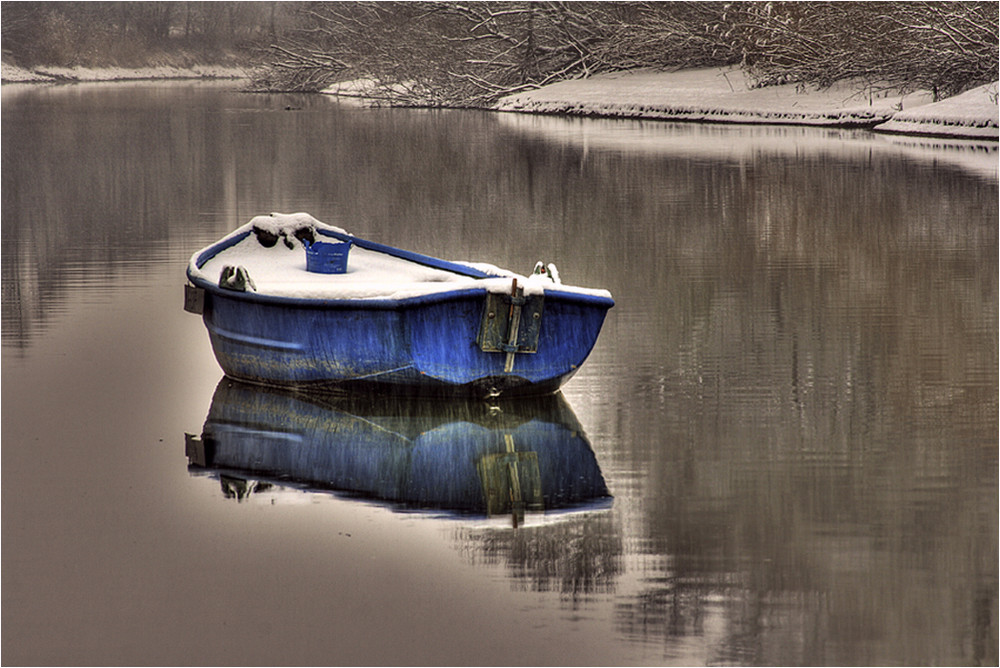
(289, 301)
(459, 456)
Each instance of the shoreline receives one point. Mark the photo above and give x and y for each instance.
(12, 74)
(719, 95)
(723, 95)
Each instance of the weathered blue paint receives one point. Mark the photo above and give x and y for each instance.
(419, 344)
(422, 453)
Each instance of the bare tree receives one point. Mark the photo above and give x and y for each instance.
(470, 53)
(135, 33)
(947, 47)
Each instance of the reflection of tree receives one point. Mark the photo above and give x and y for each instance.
(576, 556)
(93, 188)
(821, 416)
(796, 560)
(808, 381)
(817, 284)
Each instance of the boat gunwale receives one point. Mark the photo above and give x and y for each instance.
(374, 303)
(381, 304)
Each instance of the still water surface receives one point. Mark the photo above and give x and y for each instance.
(784, 446)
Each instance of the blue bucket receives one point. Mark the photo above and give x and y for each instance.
(327, 258)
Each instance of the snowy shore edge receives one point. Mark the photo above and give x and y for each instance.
(723, 95)
(13, 74)
(708, 95)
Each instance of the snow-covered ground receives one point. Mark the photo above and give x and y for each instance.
(723, 95)
(971, 114)
(14, 74)
(708, 95)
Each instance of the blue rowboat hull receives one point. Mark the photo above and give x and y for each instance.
(423, 344)
(456, 455)
(467, 340)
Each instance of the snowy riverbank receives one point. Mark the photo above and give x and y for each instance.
(14, 74)
(723, 95)
(709, 95)
(973, 114)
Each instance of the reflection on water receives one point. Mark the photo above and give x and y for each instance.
(580, 558)
(735, 142)
(466, 458)
(794, 402)
(496, 458)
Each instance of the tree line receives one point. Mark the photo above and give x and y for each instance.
(134, 34)
(471, 53)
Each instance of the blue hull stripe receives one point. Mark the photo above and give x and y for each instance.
(257, 341)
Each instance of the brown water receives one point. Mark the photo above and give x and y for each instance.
(793, 403)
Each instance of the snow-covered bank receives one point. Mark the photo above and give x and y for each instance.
(973, 114)
(14, 74)
(723, 95)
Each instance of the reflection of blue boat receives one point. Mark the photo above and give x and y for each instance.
(464, 456)
(390, 318)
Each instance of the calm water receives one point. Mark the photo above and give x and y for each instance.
(793, 404)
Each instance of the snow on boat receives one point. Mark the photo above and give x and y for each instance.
(462, 456)
(290, 301)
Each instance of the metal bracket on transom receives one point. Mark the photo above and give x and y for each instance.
(511, 323)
